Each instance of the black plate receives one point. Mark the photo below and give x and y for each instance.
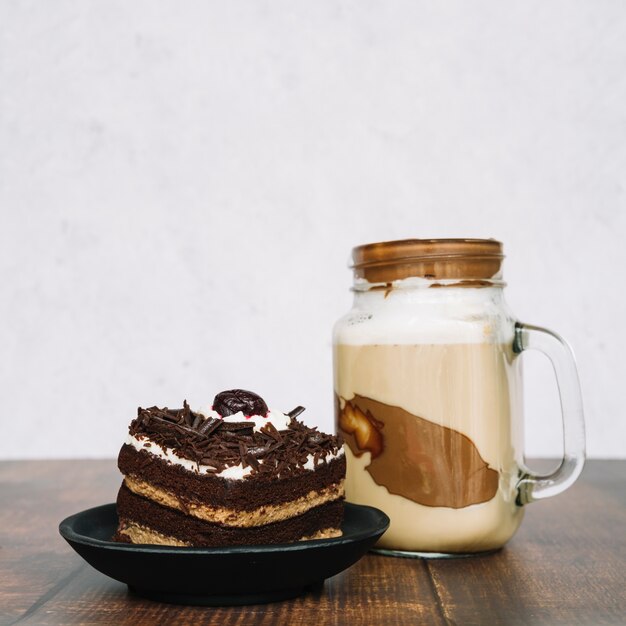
(221, 576)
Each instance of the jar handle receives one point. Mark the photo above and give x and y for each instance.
(531, 486)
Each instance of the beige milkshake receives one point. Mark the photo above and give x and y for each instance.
(428, 396)
(429, 441)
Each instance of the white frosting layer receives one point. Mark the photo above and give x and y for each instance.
(279, 420)
(414, 313)
(235, 472)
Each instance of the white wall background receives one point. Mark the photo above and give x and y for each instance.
(181, 184)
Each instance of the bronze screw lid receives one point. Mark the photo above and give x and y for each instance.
(474, 260)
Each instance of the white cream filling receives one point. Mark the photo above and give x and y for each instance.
(279, 420)
(235, 472)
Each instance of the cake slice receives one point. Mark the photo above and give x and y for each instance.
(234, 474)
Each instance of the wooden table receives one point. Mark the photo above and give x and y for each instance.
(567, 565)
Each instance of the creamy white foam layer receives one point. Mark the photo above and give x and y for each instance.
(235, 472)
(412, 313)
(279, 420)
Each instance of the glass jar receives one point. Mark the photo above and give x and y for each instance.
(428, 390)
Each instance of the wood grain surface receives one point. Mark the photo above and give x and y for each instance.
(566, 565)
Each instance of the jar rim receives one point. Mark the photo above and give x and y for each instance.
(434, 259)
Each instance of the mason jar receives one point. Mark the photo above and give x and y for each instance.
(428, 397)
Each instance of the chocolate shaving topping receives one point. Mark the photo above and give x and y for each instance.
(217, 444)
(238, 427)
(270, 429)
(315, 437)
(295, 412)
(188, 416)
(250, 460)
(257, 451)
(209, 425)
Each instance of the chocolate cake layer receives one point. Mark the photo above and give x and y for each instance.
(136, 510)
(246, 494)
